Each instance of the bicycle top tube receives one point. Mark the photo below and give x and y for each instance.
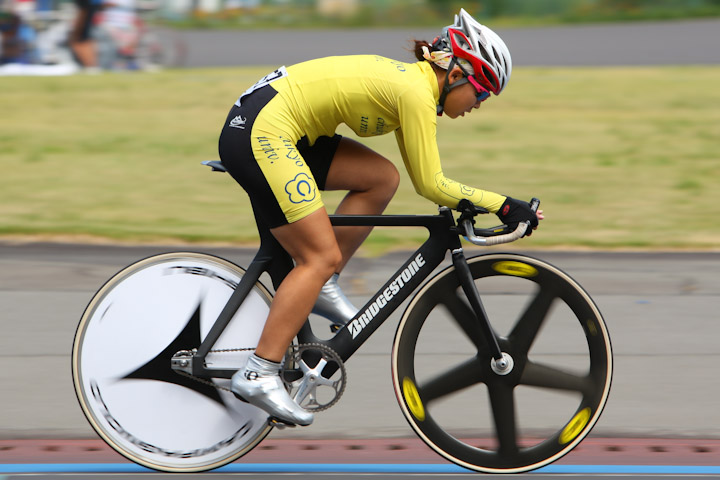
(390, 220)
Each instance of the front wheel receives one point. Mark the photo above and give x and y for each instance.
(482, 417)
(121, 356)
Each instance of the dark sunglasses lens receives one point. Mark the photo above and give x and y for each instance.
(482, 96)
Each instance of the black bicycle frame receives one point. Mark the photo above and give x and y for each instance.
(273, 259)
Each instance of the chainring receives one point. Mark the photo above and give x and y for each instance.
(315, 376)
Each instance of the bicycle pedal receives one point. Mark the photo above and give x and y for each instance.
(277, 423)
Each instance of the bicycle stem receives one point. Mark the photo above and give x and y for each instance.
(468, 285)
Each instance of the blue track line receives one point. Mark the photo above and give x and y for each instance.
(354, 468)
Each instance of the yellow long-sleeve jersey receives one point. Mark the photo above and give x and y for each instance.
(372, 95)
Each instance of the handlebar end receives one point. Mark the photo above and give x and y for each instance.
(535, 204)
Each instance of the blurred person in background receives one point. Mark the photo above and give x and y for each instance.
(10, 42)
(118, 34)
(280, 145)
(17, 36)
(81, 40)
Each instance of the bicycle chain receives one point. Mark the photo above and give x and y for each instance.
(204, 381)
(291, 352)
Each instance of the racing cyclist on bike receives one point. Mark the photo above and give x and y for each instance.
(279, 144)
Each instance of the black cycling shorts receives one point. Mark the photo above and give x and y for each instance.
(307, 166)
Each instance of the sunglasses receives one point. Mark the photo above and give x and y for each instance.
(481, 93)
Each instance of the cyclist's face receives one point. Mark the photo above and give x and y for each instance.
(461, 100)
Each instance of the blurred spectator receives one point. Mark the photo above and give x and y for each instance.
(119, 31)
(9, 40)
(82, 43)
(16, 39)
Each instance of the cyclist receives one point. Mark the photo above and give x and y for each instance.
(279, 143)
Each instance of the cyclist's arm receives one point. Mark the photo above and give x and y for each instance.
(416, 139)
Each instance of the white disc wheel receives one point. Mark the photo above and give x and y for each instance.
(132, 327)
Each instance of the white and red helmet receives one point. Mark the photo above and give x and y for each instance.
(481, 48)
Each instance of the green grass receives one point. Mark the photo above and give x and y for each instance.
(621, 157)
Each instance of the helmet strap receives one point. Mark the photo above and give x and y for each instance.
(447, 87)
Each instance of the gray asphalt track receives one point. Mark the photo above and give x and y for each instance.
(661, 309)
(685, 42)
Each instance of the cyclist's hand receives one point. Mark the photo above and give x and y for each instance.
(513, 211)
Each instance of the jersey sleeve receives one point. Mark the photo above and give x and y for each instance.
(416, 138)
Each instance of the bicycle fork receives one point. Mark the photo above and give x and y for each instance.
(502, 363)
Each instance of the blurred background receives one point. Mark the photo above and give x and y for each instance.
(39, 32)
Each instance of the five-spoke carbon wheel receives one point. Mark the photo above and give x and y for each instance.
(503, 419)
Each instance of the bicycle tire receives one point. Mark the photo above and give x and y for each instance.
(121, 354)
(525, 419)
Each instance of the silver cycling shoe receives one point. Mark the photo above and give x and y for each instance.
(333, 304)
(265, 390)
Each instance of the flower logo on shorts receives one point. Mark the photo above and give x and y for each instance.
(301, 188)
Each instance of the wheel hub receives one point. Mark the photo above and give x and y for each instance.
(504, 365)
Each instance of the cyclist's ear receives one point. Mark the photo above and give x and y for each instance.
(454, 75)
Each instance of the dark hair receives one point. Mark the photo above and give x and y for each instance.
(418, 48)
(418, 51)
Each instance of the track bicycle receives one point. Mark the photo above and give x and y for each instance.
(505, 383)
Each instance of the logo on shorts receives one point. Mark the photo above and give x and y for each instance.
(238, 122)
(301, 188)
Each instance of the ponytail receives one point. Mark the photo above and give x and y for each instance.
(419, 44)
(433, 53)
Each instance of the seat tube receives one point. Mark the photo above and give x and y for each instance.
(463, 273)
(247, 282)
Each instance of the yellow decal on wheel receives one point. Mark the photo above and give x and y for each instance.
(592, 328)
(575, 426)
(517, 269)
(412, 398)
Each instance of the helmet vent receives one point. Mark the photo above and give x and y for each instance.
(484, 52)
(489, 75)
(497, 57)
(462, 42)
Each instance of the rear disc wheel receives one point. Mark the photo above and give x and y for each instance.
(121, 356)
